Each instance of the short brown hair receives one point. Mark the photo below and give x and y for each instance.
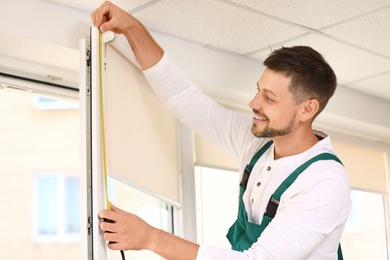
(311, 76)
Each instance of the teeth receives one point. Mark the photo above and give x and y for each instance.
(261, 118)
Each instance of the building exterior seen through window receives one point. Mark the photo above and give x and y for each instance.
(40, 161)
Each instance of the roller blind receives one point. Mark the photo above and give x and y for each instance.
(141, 138)
(365, 165)
(207, 154)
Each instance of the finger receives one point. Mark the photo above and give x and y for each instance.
(113, 241)
(110, 237)
(115, 246)
(100, 15)
(109, 225)
(108, 26)
(108, 215)
(104, 214)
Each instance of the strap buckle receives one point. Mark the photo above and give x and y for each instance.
(272, 207)
(245, 175)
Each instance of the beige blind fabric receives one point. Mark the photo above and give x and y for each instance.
(365, 165)
(207, 154)
(141, 137)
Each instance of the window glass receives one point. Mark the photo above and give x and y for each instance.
(45, 103)
(47, 201)
(217, 203)
(57, 208)
(39, 151)
(364, 235)
(72, 205)
(153, 210)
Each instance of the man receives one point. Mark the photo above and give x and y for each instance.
(305, 217)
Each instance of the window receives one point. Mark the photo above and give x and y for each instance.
(44, 103)
(364, 236)
(366, 227)
(216, 203)
(56, 208)
(154, 210)
(38, 148)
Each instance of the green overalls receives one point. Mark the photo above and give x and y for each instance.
(242, 234)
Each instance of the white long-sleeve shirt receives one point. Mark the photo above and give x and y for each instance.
(312, 212)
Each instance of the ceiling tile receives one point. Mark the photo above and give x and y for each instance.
(355, 43)
(90, 5)
(312, 13)
(370, 32)
(350, 64)
(217, 24)
(378, 86)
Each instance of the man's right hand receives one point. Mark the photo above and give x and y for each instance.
(109, 17)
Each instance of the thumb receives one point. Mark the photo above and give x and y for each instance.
(105, 27)
(110, 25)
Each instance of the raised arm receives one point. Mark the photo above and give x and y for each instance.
(109, 17)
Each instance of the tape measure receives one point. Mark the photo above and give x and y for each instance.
(103, 134)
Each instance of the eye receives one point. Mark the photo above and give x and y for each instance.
(264, 94)
(267, 97)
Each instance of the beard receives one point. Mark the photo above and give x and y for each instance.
(269, 132)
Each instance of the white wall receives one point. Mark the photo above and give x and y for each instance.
(226, 73)
(44, 21)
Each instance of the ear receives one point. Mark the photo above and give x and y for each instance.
(309, 109)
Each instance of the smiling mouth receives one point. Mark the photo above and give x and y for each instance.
(260, 118)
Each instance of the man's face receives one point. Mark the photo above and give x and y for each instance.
(273, 106)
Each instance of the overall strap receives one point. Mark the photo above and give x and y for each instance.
(249, 167)
(275, 198)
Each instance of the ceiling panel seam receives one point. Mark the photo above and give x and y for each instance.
(143, 6)
(308, 29)
(366, 78)
(355, 17)
(319, 33)
(275, 18)
(277, 44)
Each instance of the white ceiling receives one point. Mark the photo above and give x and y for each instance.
(353, 35)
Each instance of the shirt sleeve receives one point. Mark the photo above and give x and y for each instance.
(215, 253)
(223, 127)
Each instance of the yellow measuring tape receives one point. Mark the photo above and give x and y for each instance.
(103, 134)
(102, 125)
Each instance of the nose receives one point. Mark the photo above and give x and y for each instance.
(255, 103)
